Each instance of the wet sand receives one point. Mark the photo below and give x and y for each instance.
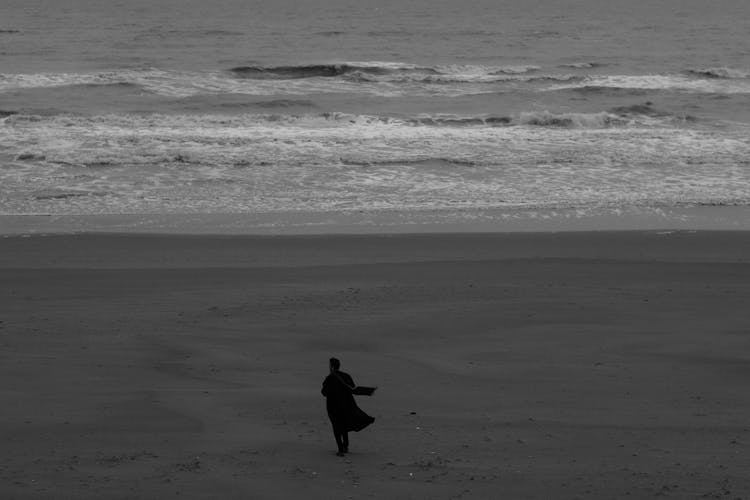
(552, 365)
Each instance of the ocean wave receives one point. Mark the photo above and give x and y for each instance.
(583, 65)
(573, 120)
(182, 84)
(413, 162)
(463, 69)
(347, 119)
(470, 121)
(283, 103)
(59, 194)
(615, 118)
(322, 70)
(204, 104)
(633, 116)
(20, 118)
(118, 84)
(156, 163)
(721, 72)
(604, 90)
(458, 78)
(331, 33)
(646, 109)
(116, 78)
(635, 83)
(373, 78)
(363, 70)
(28, 156)
(381, 78)
(293, 72)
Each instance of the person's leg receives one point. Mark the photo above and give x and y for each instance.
(345, 441)
(341, 440)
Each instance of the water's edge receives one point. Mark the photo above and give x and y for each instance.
(383, 222)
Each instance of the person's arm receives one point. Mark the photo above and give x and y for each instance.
(363, 391)
(360, 390)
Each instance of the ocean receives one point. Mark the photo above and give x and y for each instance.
(245, 107)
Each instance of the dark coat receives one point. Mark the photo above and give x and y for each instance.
(345, 415)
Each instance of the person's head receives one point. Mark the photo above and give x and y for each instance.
(334, 364)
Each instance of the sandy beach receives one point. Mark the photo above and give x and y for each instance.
(550, 365)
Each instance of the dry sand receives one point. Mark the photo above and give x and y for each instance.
(571, 365)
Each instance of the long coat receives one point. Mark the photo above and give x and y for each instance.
(345, 415)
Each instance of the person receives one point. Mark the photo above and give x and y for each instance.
(339, 390)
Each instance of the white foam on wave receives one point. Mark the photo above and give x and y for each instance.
(37, 80)
(581, 120)
(458, 79)
(387, 65)
(658, 82)
(345, 123)
(176, 163)
(581, 65)
(398, 79)
(182, 83)
(477, 70)
(721, 72)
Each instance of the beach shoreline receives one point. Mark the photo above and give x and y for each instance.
(505, 220)
(605, 364)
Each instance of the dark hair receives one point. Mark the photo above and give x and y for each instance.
(335, 363)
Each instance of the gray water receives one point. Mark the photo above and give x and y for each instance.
(230, 106)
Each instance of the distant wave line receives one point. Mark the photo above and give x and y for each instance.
(380, 78)
(371, 68)
(636, 115)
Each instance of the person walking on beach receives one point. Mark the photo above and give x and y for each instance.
(339, 390)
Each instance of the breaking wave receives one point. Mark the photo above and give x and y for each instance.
(458, 78)
(722, 72)
(386, 79)
(283, 103)
(646, 109)
(366, 71)
(382, 79)
(637, 115)
(120, 85)
(576, 120)
(164, 163)
(414, 162)
(318, 70)
(633, 84)
(583, 65)
(57, 194)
